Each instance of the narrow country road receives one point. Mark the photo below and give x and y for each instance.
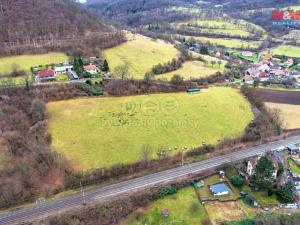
(96, 195)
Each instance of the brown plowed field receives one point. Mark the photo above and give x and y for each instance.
(277, 96)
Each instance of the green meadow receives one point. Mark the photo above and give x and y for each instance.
(25, 62)
(193, 69)
(140, 54)
(287, 50)
(101, 132)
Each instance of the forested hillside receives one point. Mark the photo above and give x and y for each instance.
(138, 12)
(38, 22)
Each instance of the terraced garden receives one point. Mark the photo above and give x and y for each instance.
(101, 132)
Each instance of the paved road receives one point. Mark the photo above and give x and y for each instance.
(96, 195)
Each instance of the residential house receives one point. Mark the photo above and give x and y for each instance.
(289, 62)
(263, 76)
(92, 69)
(268, 56)
(253, 162)
(248, 79)
(247, 53)
(251, 165)
(294, 75)
(253, 71)
(63, 69)
(44, 75)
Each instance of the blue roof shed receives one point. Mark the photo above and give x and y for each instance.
(292, 147)
(219, 189)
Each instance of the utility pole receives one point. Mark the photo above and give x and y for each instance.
(83, 195)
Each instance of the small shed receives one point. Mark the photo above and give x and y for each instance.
(193, 90)
(199, 184)
(165, 212)
(219, 189)
(293, 148)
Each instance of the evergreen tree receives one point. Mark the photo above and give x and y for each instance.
(285, 193)
(263, 174)
(105, 66)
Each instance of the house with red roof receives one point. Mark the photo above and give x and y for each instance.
(248, 79)
(263, 76)
(90, 69)
(44, 75)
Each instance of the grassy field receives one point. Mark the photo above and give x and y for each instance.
(294, 166)
(223, 26)
(140, 54)
(26, 61)
(295, 7)
(214, 27)
(287, 50)
(229, 43)
(184, 209)
(101, 132)
(193, 69)
(289, 113)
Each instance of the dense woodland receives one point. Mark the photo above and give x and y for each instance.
(52, 24)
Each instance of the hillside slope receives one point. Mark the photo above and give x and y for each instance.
(138, 12)
(25, 20)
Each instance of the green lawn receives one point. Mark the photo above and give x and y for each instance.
(140, 54)
(193, 69)
(260, 196)
(287, 50)
(294, 166)
(25, 62)
(99, 132)
(184, 209)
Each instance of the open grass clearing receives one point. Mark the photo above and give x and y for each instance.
(193, 69)
(100, 132)
(295, 168)
(224, 26)
(25, 62)
(140, 54)
(289, 113)
(287, 50)
(228, 43)
(184, 209)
